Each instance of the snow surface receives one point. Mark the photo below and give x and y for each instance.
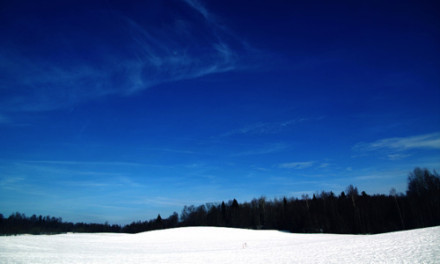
(223, 245)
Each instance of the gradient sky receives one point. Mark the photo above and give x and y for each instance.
(116, 111)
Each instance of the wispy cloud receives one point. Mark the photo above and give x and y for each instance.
(274, 148)
(324, 165)
(82, 163)
(304, 165)
(297, 165)
(11, 181)
(369, 177)
(87, 184)
(60, 172)
(134, 55)
(396, 148)
(164, 201)
(177, 151)
(397, 156)
(200, 8)
(265, 127)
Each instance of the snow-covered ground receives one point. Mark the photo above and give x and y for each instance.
(223, 245)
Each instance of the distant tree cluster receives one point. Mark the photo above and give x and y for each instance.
(155, 224)
(350, 212)
(20, 224)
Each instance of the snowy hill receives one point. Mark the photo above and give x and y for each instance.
(223, 245)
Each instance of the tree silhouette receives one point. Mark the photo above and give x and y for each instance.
(324, 212)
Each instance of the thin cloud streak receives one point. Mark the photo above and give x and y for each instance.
(426, 141)
(164, 201)
(83, 163)
(200, 8)
(265, 127)
(262, 151)
(297, 165)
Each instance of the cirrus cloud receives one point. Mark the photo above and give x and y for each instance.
(425, 141)
(397, 148)
(297, 165)
(109, 51)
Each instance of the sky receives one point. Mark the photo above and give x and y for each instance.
(121, 110)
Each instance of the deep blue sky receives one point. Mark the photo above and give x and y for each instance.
(111, 111)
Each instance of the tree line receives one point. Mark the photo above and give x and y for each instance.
(350, 212)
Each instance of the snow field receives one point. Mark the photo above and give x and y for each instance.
(223, 245)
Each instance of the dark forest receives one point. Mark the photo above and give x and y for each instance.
(350, 212)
